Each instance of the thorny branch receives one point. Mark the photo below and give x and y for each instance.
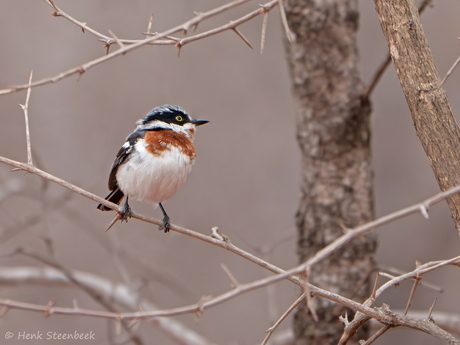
(360, 318)
(272, 329)
(159, 38)
(381, 315)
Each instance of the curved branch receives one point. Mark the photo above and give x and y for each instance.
(226, 244)
(110, 40)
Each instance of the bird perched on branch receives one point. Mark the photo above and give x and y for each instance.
(155, 160)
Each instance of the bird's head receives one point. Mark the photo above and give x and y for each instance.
(170, 117)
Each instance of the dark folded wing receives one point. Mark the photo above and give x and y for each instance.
(122, 155)
(115, 196)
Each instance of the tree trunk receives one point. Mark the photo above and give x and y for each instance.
(434, 121)
(334, 136)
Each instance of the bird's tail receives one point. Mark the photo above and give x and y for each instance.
(115, 196)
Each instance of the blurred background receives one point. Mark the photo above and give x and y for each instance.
(245, 179)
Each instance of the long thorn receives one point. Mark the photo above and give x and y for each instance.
(243, 38)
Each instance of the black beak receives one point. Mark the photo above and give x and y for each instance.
(199, 122)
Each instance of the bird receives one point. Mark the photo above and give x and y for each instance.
(155, 160)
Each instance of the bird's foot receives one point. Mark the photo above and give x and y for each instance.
(166, 224)
(126, 213)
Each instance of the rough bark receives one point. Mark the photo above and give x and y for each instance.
(333, 133)
(434, 121)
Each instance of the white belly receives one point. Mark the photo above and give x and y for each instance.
(154, 179)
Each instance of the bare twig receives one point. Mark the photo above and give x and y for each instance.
(395, 270)
(283, 317)
(377, 335)
(377, 76)
(412, 294)
(25, 108)
(149, 27)
(454, 66)
(289, 34)
(431, 309)
(422, 269)
(309, 297)
(230, 275)
(264, 31)
(120, 43)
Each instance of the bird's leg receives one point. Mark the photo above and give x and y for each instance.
(166, 220)
(126, 213)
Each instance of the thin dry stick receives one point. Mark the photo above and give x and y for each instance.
(377, 76)
(120, 43)
(272, 329)
(450, 72)
(285, 22)
(230, 275)
(422, 269)
(377, 335)
(376, 285)
(264, 30)
(431, 309)
(309, 297)
(423, 282)
(149, 27)
(412, 294)
(25, 108)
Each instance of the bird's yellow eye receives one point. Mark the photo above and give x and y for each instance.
(179, 118)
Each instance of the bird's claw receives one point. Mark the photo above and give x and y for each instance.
(126, 213)
(166, 224)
